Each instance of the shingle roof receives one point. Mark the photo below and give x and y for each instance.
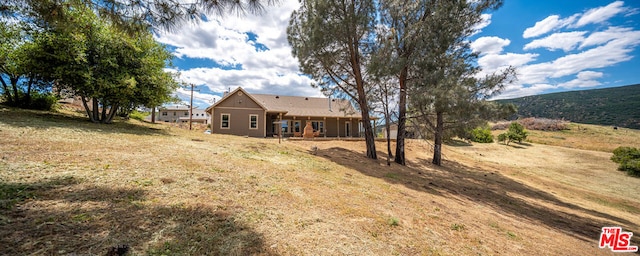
(307, 106)
(299, 106)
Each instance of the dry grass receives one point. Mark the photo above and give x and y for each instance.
(586, 136)
(70, 186)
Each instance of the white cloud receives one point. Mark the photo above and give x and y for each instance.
(612, 33)
(584, 79)
(200, 100)
(547, 25)
(520, 90)
(489, 45)
(225, 41)
(485, 21)
(601, 14)
(587, 50)
(493, 62)
(566, 41)
(591, 16)
(219, 80)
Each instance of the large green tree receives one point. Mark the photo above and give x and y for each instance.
(106, 67)
(448, 91)
(15, 77)
(411, 35)
(332, 40)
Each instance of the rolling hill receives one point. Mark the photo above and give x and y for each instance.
(618, 106)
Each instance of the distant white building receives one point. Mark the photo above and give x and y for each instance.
(180, 114)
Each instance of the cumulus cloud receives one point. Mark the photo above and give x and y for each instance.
(227, 42)
(584, 79)
(591, 16)
(493, 62)
(485, 21)
(489, 44)
(547, 25)
(521, 90)
(566, 41)
(601, 14)
(586, 51)
(612, 33)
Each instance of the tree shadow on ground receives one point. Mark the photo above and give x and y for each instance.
(69, 218)
(458, 143)
(45, 119)
(489, 188)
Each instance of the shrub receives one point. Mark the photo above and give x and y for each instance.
(629, 160)
(43, 101)
(482, 135)
(502, 137)
(138, 115)
(516, 132)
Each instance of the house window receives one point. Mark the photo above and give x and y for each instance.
(296, 126)
(318, 126)
(164, 113)
(224, 121)
(253, 121)
(174, 113)
(186, 113)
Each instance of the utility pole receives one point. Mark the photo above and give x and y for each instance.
(191, 106)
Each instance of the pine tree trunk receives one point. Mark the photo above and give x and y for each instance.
(94, 111)
(402, 118)
(103, 113)
(368, 131)
(388, 128)
(16, 95)
(437, 145)
(86, 108)
(112, 113)
(362, 99)
(153, 115)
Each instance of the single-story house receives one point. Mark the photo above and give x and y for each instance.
(265, 115)
(180, 114)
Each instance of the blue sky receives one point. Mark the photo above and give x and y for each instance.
(555, 46)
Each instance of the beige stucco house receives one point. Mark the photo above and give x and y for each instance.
(262, 115)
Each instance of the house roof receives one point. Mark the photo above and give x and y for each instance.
(227, 95)
(177, 107)
(300, 106)
(307, 106)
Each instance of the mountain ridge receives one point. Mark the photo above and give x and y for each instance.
(615, 106)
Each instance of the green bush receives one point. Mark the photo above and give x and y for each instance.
(138, 115)
(502, 137)
(516, 132)
(482, 135)
(42, 101)
(629, 160)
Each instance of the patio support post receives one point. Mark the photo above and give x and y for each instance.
(324, 119)
(337, 118)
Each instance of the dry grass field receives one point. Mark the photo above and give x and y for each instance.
(68, 186)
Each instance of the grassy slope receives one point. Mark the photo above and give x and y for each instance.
(618, 106)
(67, 185)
